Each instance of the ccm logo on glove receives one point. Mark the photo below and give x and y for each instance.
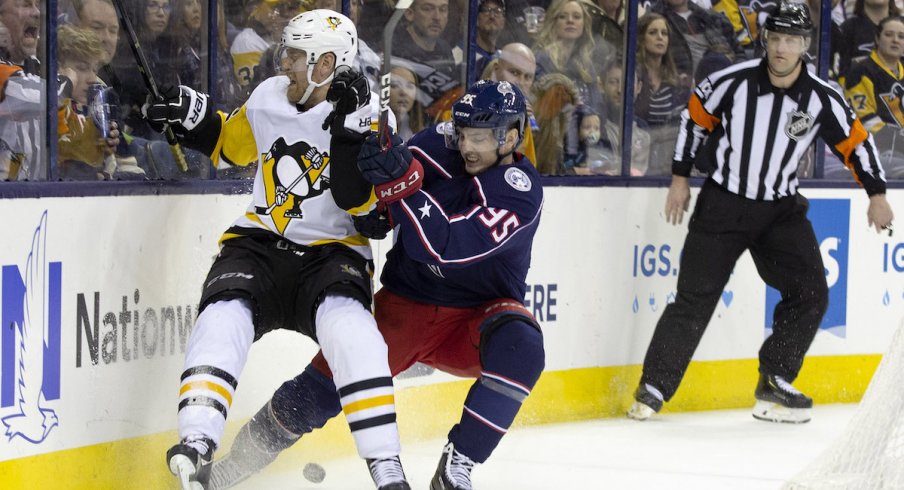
(393, 171)
(404, 187)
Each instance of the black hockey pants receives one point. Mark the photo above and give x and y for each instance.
(784, 248)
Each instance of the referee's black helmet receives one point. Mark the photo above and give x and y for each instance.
(790, 18)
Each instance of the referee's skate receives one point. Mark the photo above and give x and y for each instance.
(778, 401)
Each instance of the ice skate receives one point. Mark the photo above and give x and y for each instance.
(244, 460)
(778, 401)
(387, 474)
(454, 471)
(647, 401)
(189, 465)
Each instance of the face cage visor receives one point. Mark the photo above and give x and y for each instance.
(286, 59)
(295, 60)
(479, 142)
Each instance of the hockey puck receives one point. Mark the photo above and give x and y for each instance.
(314, 473)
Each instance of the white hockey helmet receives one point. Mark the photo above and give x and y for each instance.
(322, 31)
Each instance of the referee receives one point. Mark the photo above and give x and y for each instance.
(761, 117)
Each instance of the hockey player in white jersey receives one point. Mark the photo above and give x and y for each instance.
(294, 260)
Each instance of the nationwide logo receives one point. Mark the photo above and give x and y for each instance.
(30, 343)
(831, 221)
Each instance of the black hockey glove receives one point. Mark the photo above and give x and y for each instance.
(182, 108)
(394, 172)
(375, 225)
(349, 91)
(350, 95)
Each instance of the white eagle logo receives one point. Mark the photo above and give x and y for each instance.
(34, 420)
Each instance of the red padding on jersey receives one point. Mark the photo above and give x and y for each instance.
(404, 186)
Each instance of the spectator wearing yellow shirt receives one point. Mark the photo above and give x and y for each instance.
(85, 150)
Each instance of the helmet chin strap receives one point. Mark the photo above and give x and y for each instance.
(312, 86)
(500, 155)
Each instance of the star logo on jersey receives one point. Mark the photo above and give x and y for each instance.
(425, 210)
(799, 123)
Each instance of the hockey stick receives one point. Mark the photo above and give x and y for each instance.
(149, 82)
(386, 76)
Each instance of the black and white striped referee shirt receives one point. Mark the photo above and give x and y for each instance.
(758, 133)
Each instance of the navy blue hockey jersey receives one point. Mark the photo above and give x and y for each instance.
(463, 240)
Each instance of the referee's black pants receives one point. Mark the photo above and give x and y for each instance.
(784, 248)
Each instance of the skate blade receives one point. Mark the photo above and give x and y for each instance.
(639, 411)
(773, 412)
(184, 469)
(226, 473)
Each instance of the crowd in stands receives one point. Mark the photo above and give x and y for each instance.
(566, 56)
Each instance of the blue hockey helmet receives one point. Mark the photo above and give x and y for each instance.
(487, 104)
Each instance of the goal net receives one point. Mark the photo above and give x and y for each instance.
(869, 455)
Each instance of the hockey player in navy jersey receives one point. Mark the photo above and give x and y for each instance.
(294, 259)
(453, 285)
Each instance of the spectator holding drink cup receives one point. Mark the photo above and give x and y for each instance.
(88, 132)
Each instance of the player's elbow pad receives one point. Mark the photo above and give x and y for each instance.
(402, 187)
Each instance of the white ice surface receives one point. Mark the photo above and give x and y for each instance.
(702, 450)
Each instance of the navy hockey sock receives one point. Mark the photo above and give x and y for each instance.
(306, 402)
(512, 359)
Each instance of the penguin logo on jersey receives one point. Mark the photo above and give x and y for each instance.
(11, 159)
(292, 174)
(893, 100)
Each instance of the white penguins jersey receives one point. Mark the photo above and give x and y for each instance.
(291, 196)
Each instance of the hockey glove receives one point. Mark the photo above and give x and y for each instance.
(374, 224)
(394, 172)
(350, 95)
(349, 91)
(182, 108)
